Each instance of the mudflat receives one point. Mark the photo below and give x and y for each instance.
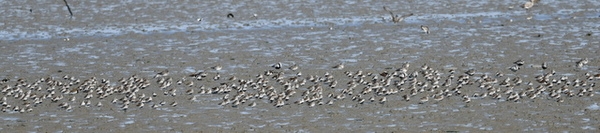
(190, 67)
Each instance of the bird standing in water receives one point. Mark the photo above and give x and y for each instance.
(530, 4)
(425, 29)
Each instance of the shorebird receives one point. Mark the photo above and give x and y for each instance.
(544, 65)
(466, 99)
(294, 67)
(225, 102)
(424, 99)
(406, 97)
(529, 4)
(519, 62)
(88, 103)
(582, 62)
(361, 100)
(438, 98)
(162, 73)
(190, 91)
(300, 101)
(235, 103)
(514, 68)
(189, 83)
(69, 108)
(470, 72)
(217, 77)
(560, 100)
(330, 102)
(193, 99)
(425, 29)
(396, 18)
(61, 105)
(140, 105)
(312, 104)
(277, 65)
(125, 107)
(333, 84)
(382, 100)
(217, 67)
(340, 96)
(339, 66)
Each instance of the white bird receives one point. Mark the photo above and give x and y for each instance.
(339, 66)
(382, 100)
(162, 73)
(527, 5)
(514, 68)
(217, 67)
(425, 29)
(294, 67)
(277, 65)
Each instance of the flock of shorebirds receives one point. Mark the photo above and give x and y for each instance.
(287, 86)
(279, 86)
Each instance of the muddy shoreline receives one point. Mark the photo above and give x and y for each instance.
(113, 40)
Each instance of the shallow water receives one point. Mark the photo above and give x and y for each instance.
(115, 39)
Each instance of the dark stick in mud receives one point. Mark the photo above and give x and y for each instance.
(68, 8)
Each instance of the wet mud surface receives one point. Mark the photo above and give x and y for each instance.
(128, 42)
